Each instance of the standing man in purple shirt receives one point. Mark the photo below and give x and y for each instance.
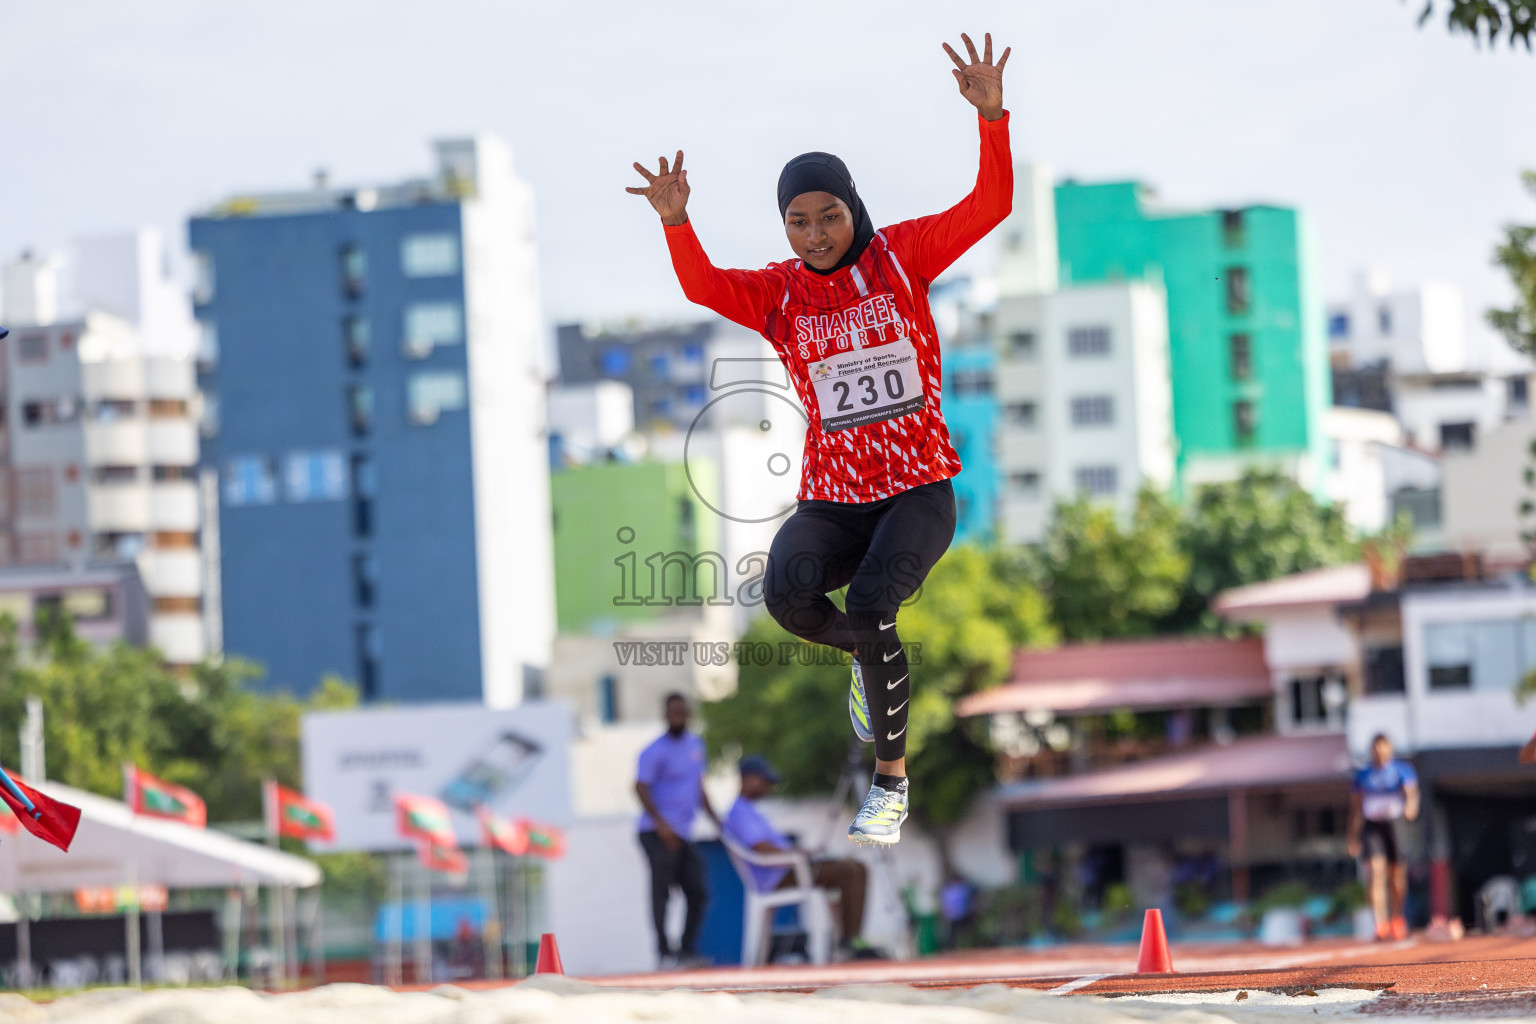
(670, 784)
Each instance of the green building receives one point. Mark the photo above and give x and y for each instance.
(628, 542)
(1248, 358)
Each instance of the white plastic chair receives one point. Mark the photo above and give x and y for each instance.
(757, 916)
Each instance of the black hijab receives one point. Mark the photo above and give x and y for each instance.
(823, 172)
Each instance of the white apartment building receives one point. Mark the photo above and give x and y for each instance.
(1421, 329)
(101, 448)
(1082, 378)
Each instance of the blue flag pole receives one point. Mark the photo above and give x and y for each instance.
(15, 791)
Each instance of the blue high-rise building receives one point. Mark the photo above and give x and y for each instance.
(372, 365)
(970, 406)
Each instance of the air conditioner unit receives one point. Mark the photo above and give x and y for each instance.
(416, 348)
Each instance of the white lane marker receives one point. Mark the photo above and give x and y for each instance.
(1073, 986)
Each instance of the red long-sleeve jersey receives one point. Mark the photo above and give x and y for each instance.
(860, 344)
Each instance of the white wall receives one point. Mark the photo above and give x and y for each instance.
(1481, 491)
(1356, 477)
(1425, 326)
(1423, 404)
(513, 534)
(1027, 261)
(592, 418)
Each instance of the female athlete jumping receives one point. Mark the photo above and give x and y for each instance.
(849, 319)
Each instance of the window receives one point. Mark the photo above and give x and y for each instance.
(1338, 325)
(1384, 320)
(1457, 435)
(365, 579)
(354, 270)
(1239, 290)
(659, 365)
(969, 383)
(1088, 342)
(1244, 421)
(109, 409)
(32, 348)
(208, 424)
(614, 361)
(35, 493)
(1422, 506)
(1021, 345)
(1312, 696)
(315, 476)
(37, 548)
(1490, 655)
(1026, 484)
(429, 255)
(368, 662)
(49, 411)
(85, 604)
(694, 394)
(1241, 348)
(429, 324)
(250, 480)
(1517, 390)
(1023, 414)
(1093, 411)
(365, 487)
(168, 408)
(607, 700)
(1097, 480)
(360, 407)
(429, 394)
(203, 279)
(693, 352)
(119, 545)
(1232, 228)
(116, 474)
(207, 345)
(355, 331)
(1384, 670)
(661, 407)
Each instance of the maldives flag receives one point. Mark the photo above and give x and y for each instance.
(425, 817)
(160, 799)
(290, 814)
(506, 836)
(55, 824)
(544, 840)
(438, 857)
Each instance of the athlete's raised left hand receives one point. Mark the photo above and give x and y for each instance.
(981, 82)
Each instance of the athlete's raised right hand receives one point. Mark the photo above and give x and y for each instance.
(667, 190)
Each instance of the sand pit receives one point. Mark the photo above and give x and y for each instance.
(564, 1001)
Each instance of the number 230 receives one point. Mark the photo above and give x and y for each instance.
(894, 389)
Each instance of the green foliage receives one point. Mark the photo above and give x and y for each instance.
(1517, 255)
(1258, 527)
(1488, 19)
(1192, 901)
(207, 730)
(1286, 894)
(1118, 902)
(976, 607)
(1105, 580)
(1347, 898)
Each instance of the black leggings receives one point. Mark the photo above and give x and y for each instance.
(881, 551)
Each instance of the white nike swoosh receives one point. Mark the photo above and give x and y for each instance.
(891, 711)
(892, 686)
(887, 625)
(893, 654)
(893, 735)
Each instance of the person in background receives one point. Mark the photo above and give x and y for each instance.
(1386, 794)
(957, 905)
(746, 826)
(670, 784)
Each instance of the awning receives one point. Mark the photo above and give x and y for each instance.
(116, 847)
(1161, 673)
(1260, 762)
(1337, 584)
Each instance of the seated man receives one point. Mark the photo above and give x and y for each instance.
(746, 826)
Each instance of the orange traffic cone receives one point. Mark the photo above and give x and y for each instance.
(1154, 958)
(549, 956)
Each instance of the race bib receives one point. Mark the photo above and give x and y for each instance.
(867, 385)
(1382, 806)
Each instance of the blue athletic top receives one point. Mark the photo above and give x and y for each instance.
(1383, 790)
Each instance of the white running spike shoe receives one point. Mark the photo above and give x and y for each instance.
(858, 706)
(879, 820)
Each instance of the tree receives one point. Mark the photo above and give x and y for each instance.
(1258, 527)
(1517, 255)
(976, 607)
(1488, 18)
(208, 731)
(1105, 580)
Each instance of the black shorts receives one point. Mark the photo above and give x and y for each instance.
(1383, 839)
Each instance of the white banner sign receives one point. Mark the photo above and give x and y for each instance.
(514, 761)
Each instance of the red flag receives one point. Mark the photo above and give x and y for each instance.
(443, 858)
(57, 822)
(504, 835)
(426, 818)
(544, 840)
(296, 817)
(160, 799)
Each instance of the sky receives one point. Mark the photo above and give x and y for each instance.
(1403, 145)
